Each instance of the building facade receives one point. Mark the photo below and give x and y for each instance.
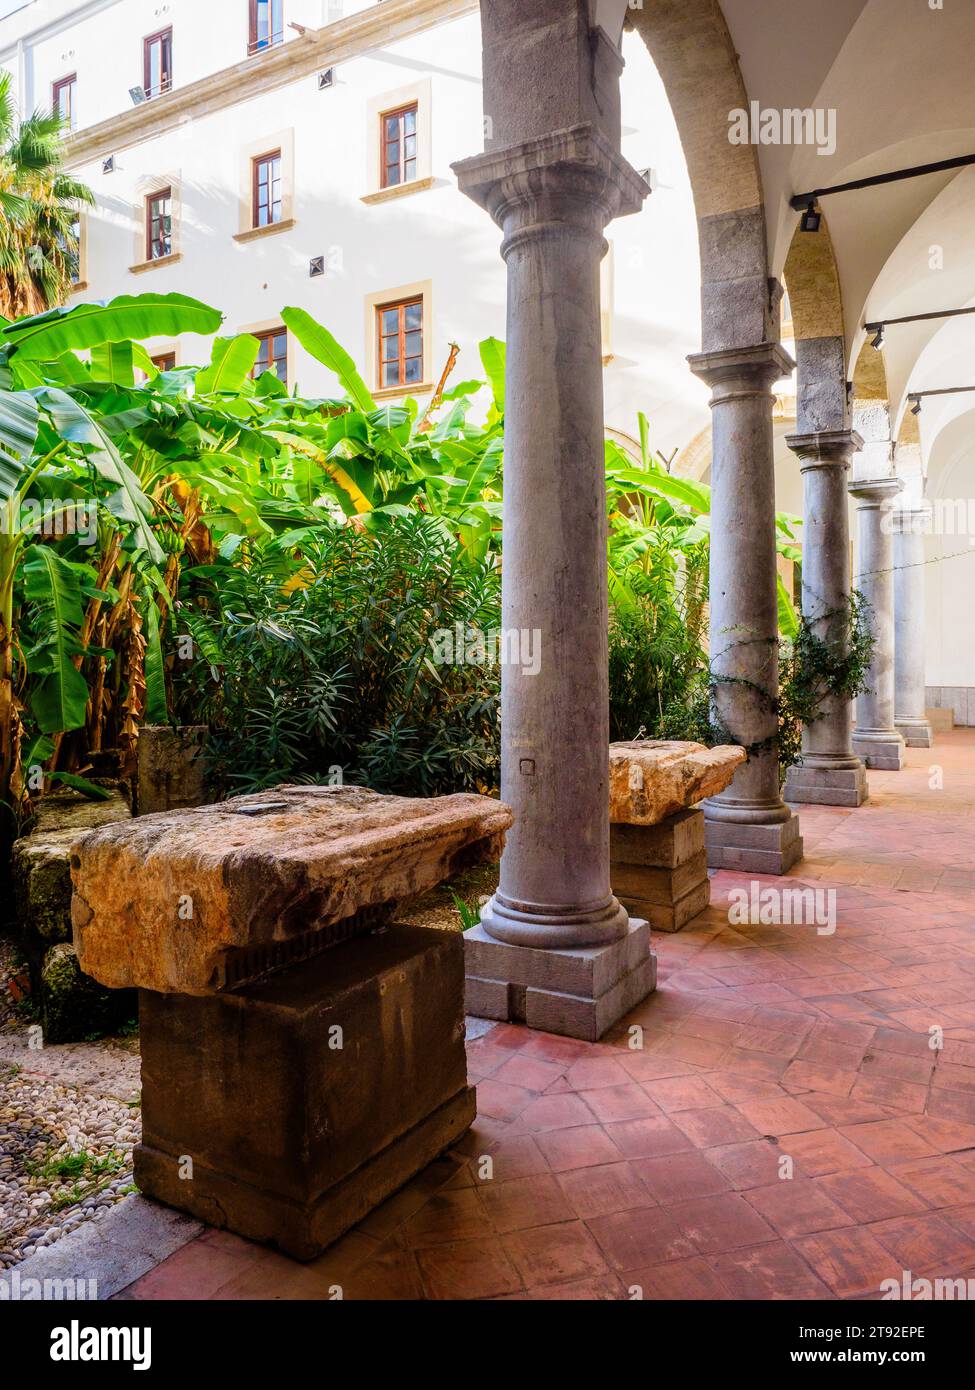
(262, 153)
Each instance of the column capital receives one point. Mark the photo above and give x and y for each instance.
(759, 366)
(873, 493)
(825, 448)
(576, 168)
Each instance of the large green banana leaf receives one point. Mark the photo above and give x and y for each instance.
(327, 350)
(46, 336)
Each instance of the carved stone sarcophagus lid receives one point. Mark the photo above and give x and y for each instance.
(200, 900)
(652, 779)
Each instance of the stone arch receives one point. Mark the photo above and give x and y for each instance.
(813, 282)
(693, 52)
(871, 413)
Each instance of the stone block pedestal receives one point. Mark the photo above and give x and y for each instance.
(915, 732)
(762, 849)
(579, 993)
(883, 750)
(288, 1109)
(826, 786)
(660, 872)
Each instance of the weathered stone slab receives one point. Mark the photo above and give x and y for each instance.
(653, 779)
(170, 768)
(660, 872)
(197, 900)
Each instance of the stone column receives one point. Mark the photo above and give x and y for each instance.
(910, 695)
(748, 826)
(555, 948)
(875, 738)
(830, 773)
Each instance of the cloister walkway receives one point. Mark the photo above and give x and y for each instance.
(660, 1170)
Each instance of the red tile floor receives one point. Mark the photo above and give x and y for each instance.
(596, 1171)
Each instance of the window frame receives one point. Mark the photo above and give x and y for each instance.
(70, 84)
(166, 78)
(402, 358)
(257, 162)
(158, 195)
(274, 38)
(399, 112)
(159, 358)
(269, 335)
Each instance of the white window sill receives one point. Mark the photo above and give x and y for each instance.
(157, 264)
(254, 233)
(392, 393)
(399, 190)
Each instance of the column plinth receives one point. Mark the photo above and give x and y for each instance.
(749, 826)
(875, 738)
(830, 773)
(555, 948)
(910, 695)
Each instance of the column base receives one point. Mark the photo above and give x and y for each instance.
(808, 784)
(660, 872)
(882, 749)
(915, 732)
(578, 993)
(760, 849)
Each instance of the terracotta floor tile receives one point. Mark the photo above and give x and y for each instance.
(754, 1164)
(849, 1261)
(554, 1254)
(883, 1090)
(523, 1202)
(926, 1244)
(818, 1076)
(448, 1216)
(945, 1135)
(554, 1112)
(633, 1240)
(824, 1151)
(614, 1103)
(681, 1093)
(531, 1073)
(768, 1272)
(871, 1194)
(799, 1207)
(500, 1101)
(724, 1222)
(721, 1124)
(681, 1177)
(942, 1181)
(651, 1137)
(604, 1189)
(888, 1142)
(581, 1147)
(780, 1117)
(604, 1289)
(517, 1157)
(588, 1073)
(469, 1269)
(392, 1275)
(690, 1280)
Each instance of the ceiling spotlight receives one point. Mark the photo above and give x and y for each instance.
(877, 341)
(811, 219)
(916, 407)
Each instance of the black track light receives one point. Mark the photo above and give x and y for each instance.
(811, 219)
